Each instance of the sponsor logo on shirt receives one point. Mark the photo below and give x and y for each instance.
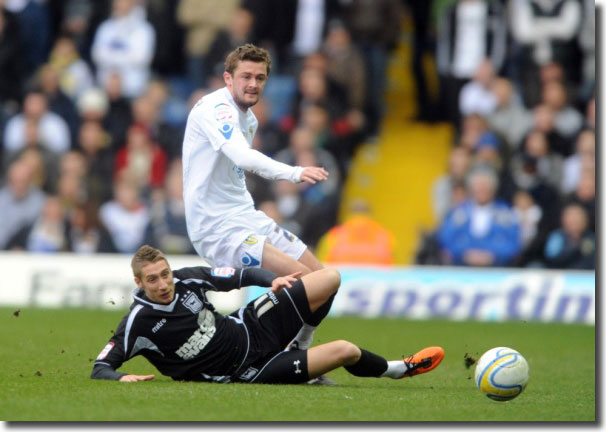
(223, 115)
(251, 240)
(105, 351)
(224, 272)
(249, 261)
(159, 325)
(200, 338)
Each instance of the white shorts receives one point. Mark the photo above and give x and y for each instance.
(239, 241)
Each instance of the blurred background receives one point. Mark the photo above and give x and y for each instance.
(457, 133)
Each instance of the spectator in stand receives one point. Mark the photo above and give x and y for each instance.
(482, 231)
(529, 214)
(375, 28)
(538, 170)
(93, 105)
(543, 32)
(202, 20)
(75, 76)
(443, 196)
(572, 246)
(34, 30)
(52, 129)
(48, 232)
(510, 120)
(71, 187)
(45, 162)
(584, 195)
(143, 159)
(79, 20)
(568, 121)
(469, 31)
(167, 229)
(12, 63)
(345, 65)
(125, 44)
(477, 96)
(119, 114)
(535, 162)
(21, 202)
(58, 102)
(237, 32)
(95, 144)
(358, 240)
(126, 216)
(543, 118)
(582, 161)
(85, 233)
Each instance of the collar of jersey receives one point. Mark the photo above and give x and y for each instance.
(161, 307)
(231, 100)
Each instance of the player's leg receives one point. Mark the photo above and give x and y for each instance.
(359, 362)
(310, 261)
(320, 288)
(280, 263)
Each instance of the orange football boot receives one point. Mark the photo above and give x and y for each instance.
(423, 361)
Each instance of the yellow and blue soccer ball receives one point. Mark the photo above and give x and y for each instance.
(502, 373)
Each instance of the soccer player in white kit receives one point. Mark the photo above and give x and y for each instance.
(222, 222)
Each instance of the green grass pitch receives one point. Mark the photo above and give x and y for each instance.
(46, 358)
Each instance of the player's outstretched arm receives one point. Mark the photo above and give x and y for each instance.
(135, 378)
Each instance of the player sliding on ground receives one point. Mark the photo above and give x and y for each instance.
(174, 326)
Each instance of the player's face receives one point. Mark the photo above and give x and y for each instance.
(157, 282)
(247, 82)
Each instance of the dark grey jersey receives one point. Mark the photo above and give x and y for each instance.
(186, 339)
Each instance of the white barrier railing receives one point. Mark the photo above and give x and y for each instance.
(105, 281)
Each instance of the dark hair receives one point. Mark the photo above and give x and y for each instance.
(145, 254)
(248, 52)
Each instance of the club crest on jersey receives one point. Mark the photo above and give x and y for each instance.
(251, 240)
(193, 303)
(224, 116)
(223, 272)
(105, 351)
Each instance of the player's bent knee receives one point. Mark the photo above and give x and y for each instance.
(348, 352)
(333, 277)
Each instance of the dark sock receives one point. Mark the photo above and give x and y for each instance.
(369, 365)
(321, 312)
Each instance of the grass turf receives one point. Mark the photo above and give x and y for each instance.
(47, 355)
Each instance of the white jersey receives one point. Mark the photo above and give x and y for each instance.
(214, 188)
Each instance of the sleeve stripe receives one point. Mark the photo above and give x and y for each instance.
(129, 324)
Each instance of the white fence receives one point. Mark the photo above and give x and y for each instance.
(105, 281)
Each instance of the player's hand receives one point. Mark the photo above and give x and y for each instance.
(284, 281)
(313, 174)
(135, 378)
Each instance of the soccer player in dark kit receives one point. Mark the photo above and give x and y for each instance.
(174, 326)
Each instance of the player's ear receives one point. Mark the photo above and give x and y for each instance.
(138, 282)
(227, 78)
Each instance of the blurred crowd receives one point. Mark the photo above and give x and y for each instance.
(518, 83)
(94, 96)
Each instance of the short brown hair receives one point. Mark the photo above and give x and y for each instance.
(145, 254)
(248, 52)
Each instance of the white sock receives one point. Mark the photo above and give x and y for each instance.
(395, 369)
(304, 337)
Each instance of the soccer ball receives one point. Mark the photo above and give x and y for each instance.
(502, 373)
